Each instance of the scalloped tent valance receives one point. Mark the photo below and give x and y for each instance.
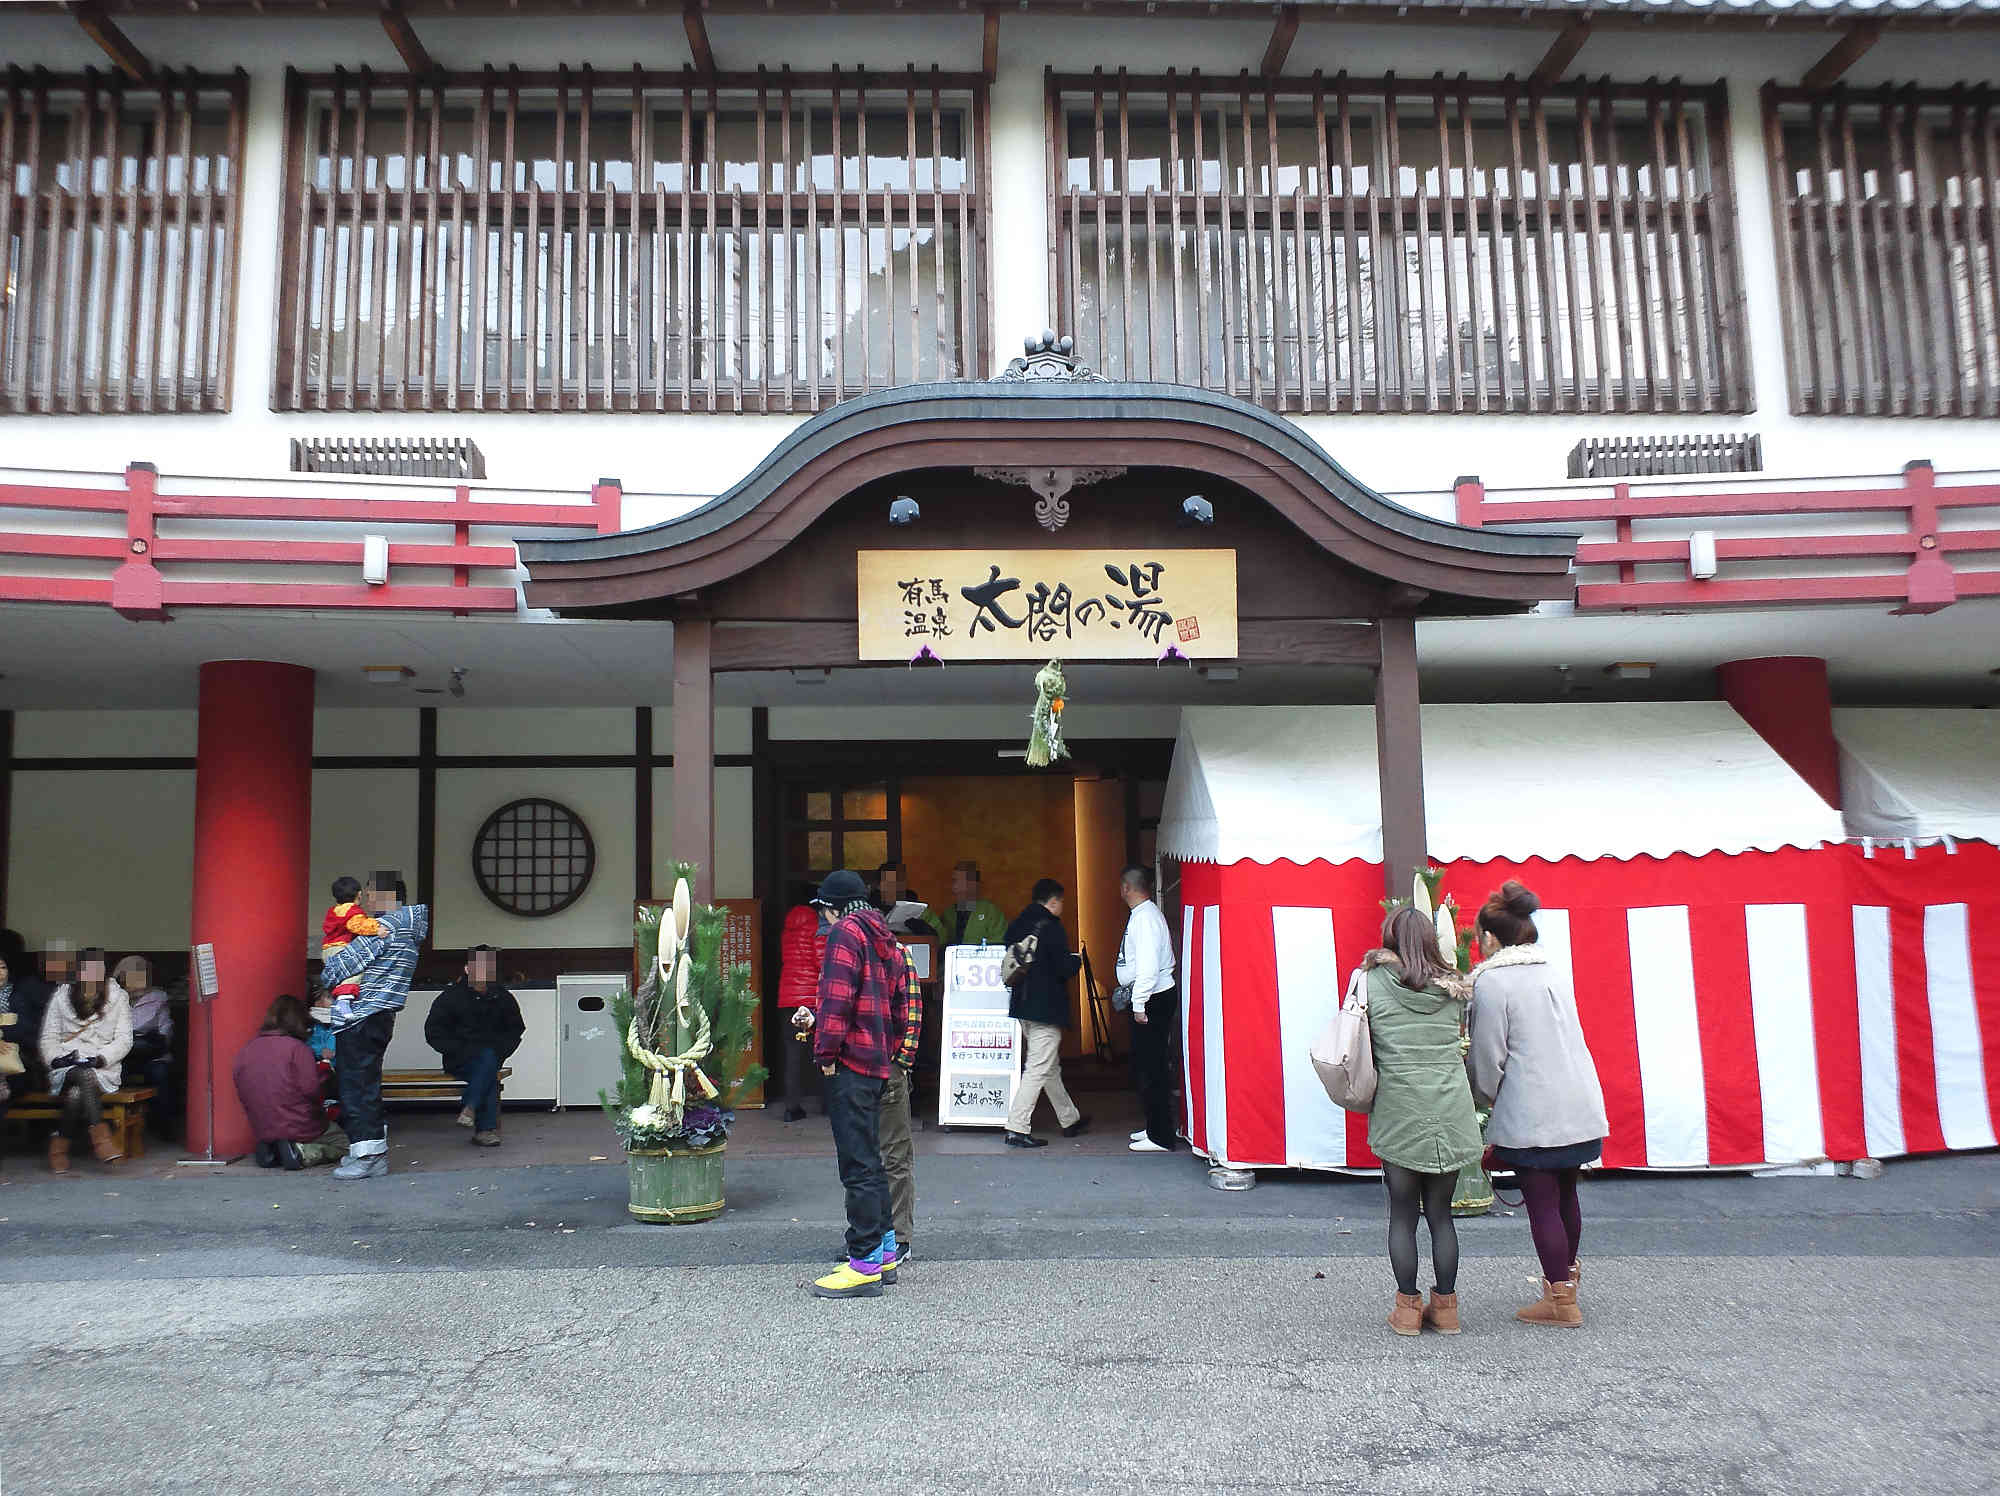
(1298, 784)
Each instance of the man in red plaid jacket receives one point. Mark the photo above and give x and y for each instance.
(867, 1021)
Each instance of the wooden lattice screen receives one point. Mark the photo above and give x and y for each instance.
(1888, 208)
(118, 241)
(635, 241)
(1333, 244)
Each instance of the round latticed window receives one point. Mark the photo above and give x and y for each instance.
(533, 857)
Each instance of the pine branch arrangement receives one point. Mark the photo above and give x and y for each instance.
(684, 1032)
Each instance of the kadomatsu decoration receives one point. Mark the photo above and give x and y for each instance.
(684, 1033)
(1045, 739)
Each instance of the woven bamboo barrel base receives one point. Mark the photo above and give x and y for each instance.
(675, 1186)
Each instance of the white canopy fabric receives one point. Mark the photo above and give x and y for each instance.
(1264, 784)
(1917, 773)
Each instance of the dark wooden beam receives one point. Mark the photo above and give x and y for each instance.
(694, 751)
(6, 810)
(119, 47)
(698, 44)
(396, 21)
(1843, 55)
(989, 49)
(1399, 755)
(1562, 52)
(642, 804)
(427, 803)
(1283, 32)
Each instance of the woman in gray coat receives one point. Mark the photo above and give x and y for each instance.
(1529, 1062)
(1422, 1125)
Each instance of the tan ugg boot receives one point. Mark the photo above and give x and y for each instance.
(1441, 1313)
(1407, 1318)
(1557, 1307)
(58, 1153)
(107, 1151)
(1576, 1272)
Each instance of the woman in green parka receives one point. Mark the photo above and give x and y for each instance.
(1422, 1125)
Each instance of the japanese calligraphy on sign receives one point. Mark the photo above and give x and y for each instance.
(1030, 605)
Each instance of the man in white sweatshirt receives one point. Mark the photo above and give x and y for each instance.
(1146, 965)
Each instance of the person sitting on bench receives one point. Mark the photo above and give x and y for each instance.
(278, 1082)
(86, 1034)
(475, 1024)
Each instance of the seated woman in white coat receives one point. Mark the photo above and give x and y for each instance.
(86, 1034)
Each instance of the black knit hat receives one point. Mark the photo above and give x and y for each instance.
(841, 889)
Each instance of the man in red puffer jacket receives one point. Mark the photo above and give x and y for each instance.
(801, 952)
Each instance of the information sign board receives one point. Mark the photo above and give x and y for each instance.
(979, 1054)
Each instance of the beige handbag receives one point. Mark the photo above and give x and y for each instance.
(1344, 1054)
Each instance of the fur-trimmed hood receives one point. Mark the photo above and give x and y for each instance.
(1530, 954)
(1449, 984)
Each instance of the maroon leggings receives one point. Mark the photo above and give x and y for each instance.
(1553, 1217)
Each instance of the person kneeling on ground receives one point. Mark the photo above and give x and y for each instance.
(278, 1082)
(475, 1024)
(86, 1034)
(1530, 1063)
(866, 1015)
(1422, 1125)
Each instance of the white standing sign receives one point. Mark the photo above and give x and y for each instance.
(979, 1060)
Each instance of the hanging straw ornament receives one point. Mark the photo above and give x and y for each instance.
(1045, 740)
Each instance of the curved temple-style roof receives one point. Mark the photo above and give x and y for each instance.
(1038, 420)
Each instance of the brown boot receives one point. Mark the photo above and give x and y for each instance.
(58, 1153)
(1576, 1273)
(1407, 1318)
(1441, 1313)
(107, 1151)
(1557, 1307)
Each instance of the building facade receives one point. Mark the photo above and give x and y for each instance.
(562, 363)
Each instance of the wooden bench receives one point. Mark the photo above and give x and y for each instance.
(124, 1113)
(429, 1085)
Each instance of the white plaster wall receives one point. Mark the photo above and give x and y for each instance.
(363, 821)
(480, 730)
(466, 797)
(102, 857)
(104, 735)
(373, 731)
(695, 455)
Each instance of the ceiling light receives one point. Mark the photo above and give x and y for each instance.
(1195, 510)
(904, 511)
(386, 675)
(1221, 673)
(810, 677)
(1630, 670)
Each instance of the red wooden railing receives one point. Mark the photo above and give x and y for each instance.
(1916, 572)
(139, 588)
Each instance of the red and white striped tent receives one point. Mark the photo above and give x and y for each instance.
(1755, 990)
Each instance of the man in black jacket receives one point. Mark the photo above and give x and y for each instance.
(476, 1024)
(1041, 1002)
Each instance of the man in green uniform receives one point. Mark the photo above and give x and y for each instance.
(972, 920)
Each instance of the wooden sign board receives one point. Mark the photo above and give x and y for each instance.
(1031, 605)
(742, 941)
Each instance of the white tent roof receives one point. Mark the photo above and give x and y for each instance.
(1919, 773)
(1577, 780)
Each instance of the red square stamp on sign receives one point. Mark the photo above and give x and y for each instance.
(1188, 628)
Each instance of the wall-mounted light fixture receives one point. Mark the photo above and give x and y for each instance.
(1701, 555)
(904, 511)
(375, 560)
(1195, 510)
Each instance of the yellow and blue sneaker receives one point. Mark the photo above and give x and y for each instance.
(856, 1278)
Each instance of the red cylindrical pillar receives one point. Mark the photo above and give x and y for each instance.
(1788, 701)
(252, 844)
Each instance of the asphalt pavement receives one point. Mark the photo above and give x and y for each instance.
(1072, 1322)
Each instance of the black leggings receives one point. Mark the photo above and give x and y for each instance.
(1554, 1217)
(1412, 1194)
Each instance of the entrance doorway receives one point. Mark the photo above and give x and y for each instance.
(1077, 822)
